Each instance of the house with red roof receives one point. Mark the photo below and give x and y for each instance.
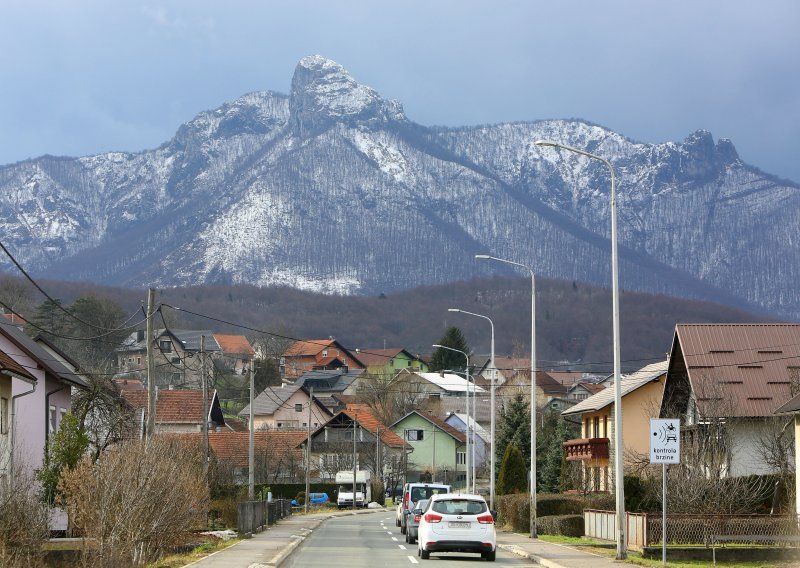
(177, 411)
(279, 456)
(725, 382)
(377, 447)
(235, 353)
(316, 355)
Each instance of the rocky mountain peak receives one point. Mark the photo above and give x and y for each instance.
(323, 92)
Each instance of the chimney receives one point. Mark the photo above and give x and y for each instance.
(139, 335)
(345, 369)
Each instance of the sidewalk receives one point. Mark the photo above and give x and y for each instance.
(269, 548)
(549, 554)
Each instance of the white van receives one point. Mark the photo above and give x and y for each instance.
(413, 492)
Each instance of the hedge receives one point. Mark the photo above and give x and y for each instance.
(564, 525)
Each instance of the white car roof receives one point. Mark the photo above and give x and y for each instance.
(465, 496)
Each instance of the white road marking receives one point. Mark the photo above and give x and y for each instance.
(394, 538)
(388, 532)
(413, 560)
(401, 547)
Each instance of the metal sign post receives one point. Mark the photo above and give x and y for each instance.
(665, 448)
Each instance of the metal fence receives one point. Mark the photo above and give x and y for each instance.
(253, 515)
(644, 530)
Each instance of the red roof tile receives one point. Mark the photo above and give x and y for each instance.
(367, 420)
(233, 446)
(307, 348)
(234, 344)
(172, 406)
(749, 365)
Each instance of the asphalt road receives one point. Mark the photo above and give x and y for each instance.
(373, 540)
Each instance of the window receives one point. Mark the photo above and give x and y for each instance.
(298, 408)
(3, 415)
(138, 360)
(52, 424)
(165, 345)
(415, 435)
(324, 352)
(461, 458)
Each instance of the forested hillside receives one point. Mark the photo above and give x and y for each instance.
(574, 320)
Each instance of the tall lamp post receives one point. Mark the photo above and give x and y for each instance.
(618, 471)
(533, 383)
(491, 402)
(465, 354)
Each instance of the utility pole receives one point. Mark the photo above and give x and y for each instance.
(151, 379)
(251, 452)
(204, 388)
(355, 460)
(308, 446)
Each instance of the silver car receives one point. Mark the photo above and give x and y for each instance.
(413, 520)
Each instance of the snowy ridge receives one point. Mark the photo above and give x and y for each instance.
(332, 189)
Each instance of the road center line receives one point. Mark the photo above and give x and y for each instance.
(413, 560)
(394, 538)
(401, 547)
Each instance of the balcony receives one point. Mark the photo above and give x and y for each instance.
(587, 449)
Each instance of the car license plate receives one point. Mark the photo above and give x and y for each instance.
(457, 525)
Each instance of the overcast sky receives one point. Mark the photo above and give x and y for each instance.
(83, 77)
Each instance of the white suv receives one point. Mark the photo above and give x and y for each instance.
(457, 523)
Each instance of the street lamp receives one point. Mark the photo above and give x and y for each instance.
(466, 373)
(465, 354)
(533, 383)
(491, 402)
(618, 472)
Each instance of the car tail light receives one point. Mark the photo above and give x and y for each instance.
(416, 518)
(432, 518)
(486, 520)
(405, 498)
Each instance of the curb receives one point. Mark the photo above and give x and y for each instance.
(516, 550)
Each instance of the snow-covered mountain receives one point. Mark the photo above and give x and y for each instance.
(333, 189)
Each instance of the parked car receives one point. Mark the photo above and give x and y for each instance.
(413, 492)
(457, 523)
(413, 520)
(318, 498)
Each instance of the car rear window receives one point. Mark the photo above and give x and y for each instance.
(418, 493)
(459, 507)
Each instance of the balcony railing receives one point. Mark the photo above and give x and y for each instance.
(587, 449)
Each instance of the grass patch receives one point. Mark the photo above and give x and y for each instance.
(608, 549)
(201, 551)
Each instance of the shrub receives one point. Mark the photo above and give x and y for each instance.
(513, 473)
(378, 491)
(300, 498)
(23, 524)
(138, 501)
(564, 525)
(514, 510)
(558, 504)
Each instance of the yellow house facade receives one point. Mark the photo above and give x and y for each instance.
(641, 400)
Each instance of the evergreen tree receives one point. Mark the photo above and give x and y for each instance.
(444, 358)
(49, 319)
(64, 450)
(514, 427)
(513, 476)
(550, 460)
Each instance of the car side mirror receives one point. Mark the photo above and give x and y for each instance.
(494, 515)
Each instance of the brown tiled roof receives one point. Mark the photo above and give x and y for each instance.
(172, 406)
(375, 357)
(129, 384)
(233, 446)
(442, 425)
(234, 344)
(566, 378)
(367, 420)
(593, 388)
(307, 348)
(14, 318)
(8, 364)
(748, 365)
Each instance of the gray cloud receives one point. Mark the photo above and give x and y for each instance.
(90, 76)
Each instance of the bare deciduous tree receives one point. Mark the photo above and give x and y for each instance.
(103, 414)
(138, 501)
(23, 521)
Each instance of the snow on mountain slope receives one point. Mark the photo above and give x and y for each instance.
(333, 189)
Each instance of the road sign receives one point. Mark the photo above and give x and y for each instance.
(665, 440)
